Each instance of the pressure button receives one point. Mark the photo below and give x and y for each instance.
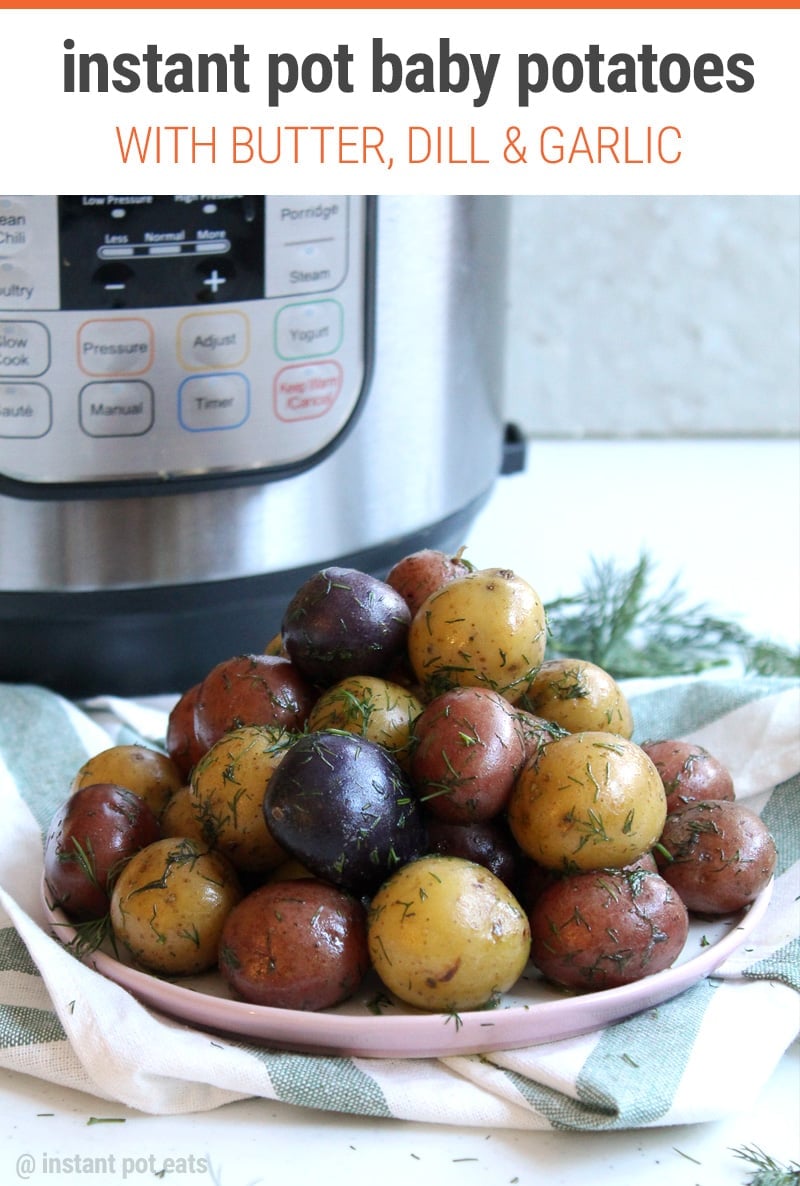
(115, 346)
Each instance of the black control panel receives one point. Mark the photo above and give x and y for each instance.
(137, 252)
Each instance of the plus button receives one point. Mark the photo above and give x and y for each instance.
(214, 281)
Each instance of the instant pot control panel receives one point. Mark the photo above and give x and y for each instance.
(156, 341)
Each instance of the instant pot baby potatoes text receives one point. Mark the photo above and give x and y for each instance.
(402, 793)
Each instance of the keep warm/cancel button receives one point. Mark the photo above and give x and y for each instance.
(305, 392)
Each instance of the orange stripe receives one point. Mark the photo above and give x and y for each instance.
(356, 5)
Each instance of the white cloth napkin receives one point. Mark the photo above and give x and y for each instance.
(704, 1054)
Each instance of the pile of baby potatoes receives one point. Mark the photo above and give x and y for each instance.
(401, 783)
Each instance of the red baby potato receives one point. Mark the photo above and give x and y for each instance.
(468, 749)
(721, 855)
(537, 732)
(421, 573)
(689, 772)
(299, 944)
(488, 843)
(606, 928)
(148, 772)
(182, 744)
(90, 838)
(344, 622)
(251, 690)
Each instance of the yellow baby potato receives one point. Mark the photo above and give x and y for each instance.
(587, 801)
(227, 795)
(147, 772)
(579, 696)
(486, 629)
(378, 709)
(178, 817)
(169, 905)
(445, 934)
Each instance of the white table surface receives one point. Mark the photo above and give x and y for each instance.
(726, 517)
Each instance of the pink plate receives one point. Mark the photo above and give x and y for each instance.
(373, 1026)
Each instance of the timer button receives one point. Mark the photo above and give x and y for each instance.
(209, 403)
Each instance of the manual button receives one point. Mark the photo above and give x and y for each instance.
(123, 409)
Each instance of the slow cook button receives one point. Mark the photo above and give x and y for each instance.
(25, 410)
(308, 330)
(209, 403)
(24, 348)
(123, 409)
(213, 340)
(115, 346)
(306, 392)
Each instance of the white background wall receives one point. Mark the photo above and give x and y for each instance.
(654, 316)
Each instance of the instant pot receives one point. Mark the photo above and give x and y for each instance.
(204, 399)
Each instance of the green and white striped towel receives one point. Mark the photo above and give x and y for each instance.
(703, 1055)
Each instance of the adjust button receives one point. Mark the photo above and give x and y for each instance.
(212, 340)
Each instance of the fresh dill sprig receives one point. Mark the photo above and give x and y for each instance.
(767, 1171)
(89, 936)
(617, 622)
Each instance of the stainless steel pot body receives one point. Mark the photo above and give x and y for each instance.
(150, 577)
